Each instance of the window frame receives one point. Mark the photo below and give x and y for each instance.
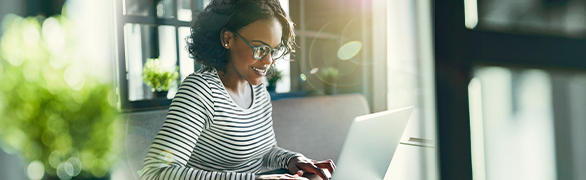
(458, 50)
(122, 89)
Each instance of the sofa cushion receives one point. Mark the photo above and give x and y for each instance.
(316, 126)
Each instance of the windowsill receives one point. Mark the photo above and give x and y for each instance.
(148, 105)
(160, 104)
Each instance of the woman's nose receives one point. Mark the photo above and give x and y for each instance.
(267, 60)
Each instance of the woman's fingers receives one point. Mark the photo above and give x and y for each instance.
(324, 169)
(312, 168)
(328, 164)
(300, 173)
(323, 174)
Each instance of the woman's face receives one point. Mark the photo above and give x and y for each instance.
(260, 32)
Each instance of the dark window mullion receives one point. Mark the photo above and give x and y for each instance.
(178, 62)
(122, 89)
(176, 15)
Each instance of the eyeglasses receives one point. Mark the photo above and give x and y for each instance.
(262, 51)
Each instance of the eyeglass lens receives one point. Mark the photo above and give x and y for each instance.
(263, 51)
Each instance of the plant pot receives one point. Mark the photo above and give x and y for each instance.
(160, 94)
(328, 89)
(271, 88)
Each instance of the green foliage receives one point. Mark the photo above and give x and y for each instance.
(276, 78)
(330, 74)
(156, 77)
(50, 110)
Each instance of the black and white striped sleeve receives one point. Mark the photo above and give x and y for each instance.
(278, 158)
(190, 113)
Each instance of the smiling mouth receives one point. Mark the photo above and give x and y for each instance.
(260, 71)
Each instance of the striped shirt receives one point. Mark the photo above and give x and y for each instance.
(208, 136)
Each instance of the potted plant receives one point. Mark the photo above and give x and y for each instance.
(273, 81)
(156, 77)
(58, 118)
(330, 78)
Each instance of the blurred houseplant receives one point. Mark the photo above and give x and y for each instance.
(273, 81)
(60, 119)
(156, 77)
(330, 78)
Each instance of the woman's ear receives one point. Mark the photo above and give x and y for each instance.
(226, 38)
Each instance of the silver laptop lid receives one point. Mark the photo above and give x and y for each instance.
(370, 145)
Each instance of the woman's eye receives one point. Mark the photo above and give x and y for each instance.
(264, 50)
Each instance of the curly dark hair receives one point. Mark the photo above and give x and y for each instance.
(204, 42)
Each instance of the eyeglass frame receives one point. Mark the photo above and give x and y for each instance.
(255, 48)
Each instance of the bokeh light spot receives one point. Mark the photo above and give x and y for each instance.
(76, 164)
(48, 137)
(31, 72)
(64, 171)
(74, 78)
(31, 36)
(57, 62)
(16, 57)
(54, 35)
(303, 77)
(99, 167)
(55, 159)
(36, 170)
(314, 70)
(33, 150)
(63, 142)
(160, 10)
(349, 50)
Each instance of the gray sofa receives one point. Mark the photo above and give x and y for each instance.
(314, 126)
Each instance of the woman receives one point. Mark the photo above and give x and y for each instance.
(219, 124)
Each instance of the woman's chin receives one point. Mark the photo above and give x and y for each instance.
(255, 81)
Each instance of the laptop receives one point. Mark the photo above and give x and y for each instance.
(370, 144)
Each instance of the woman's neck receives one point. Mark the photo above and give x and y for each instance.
(233, 82)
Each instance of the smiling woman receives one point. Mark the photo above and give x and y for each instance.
(219, 125)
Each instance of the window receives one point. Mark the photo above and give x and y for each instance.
(333, 57)
(152, 29)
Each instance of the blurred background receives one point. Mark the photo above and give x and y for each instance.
(499, 86)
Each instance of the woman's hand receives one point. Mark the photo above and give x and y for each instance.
(299, 165)
(279, 177)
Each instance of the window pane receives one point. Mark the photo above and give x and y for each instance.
(186, 64)
(168, 52)
(184, 10)
(205, 3)
(528, 123)
(137, 7)
(546, 17)
(283, 65)
(137, 45)
(512, 123)
(165, 9)
(284, 85)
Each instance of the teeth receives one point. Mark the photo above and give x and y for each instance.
(259, 70)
